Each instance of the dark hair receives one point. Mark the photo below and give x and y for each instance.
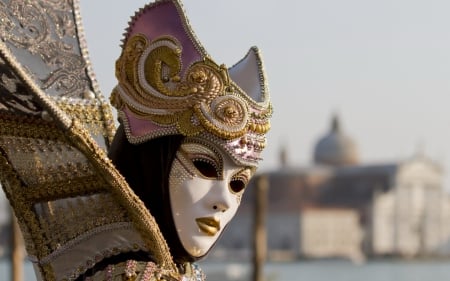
(146, 168)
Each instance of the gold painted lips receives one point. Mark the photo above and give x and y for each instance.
(208, 225)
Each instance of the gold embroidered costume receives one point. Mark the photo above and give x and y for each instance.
(73, 206)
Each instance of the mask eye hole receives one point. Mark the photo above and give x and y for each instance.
(206, 168)
(237, 185)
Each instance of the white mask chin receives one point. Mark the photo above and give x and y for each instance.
(205, 192)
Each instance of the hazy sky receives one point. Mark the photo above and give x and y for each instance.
(383, 66)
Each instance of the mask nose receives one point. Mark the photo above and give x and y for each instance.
(221, 197)
(220, 207)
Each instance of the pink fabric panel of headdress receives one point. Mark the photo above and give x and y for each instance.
(140, 127)
(165, 20)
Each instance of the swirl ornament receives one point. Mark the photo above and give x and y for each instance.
(202, 100)
(226, 116)
(153, 90)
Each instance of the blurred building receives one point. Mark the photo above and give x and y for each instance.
(340, 207)
(327, 232)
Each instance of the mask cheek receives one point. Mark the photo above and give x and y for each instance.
(228, 216)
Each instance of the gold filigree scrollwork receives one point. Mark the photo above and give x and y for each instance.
(149, 74)
(206, 80)
(185, 125)
(47, 31)
(125, 64)
(226, 116)
(69, 78)
(24, 24)
(163, 65)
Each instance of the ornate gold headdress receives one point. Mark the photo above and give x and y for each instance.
(168, 84)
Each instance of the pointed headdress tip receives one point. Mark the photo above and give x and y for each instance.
(249, 74)
(176, 10)
(263, 74)
(168, 84)
(131, 23)
(137, 14)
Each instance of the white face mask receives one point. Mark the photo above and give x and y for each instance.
(205, 192)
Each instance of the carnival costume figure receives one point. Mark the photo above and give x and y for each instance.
(142, 202)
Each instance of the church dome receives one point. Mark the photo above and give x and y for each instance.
(336, 148)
